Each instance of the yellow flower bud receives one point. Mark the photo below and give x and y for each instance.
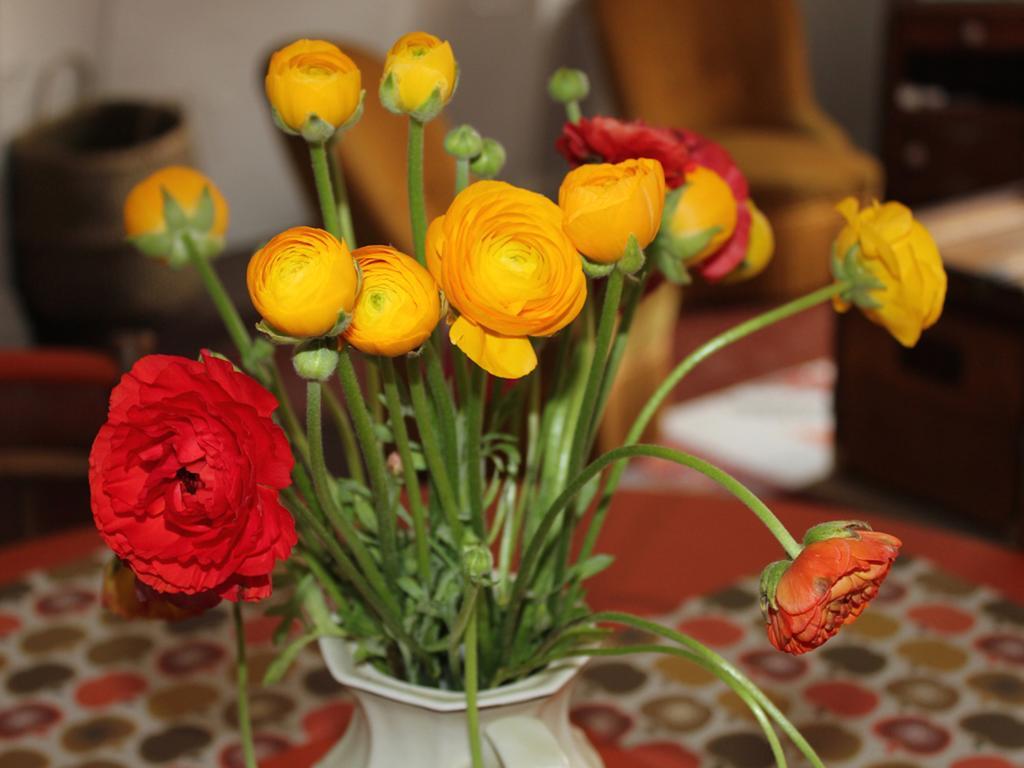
(420, 75)
(303, 282)
(144, 208)
(506, 265)
(760, 248)
(399, 304)
(883, 248)
(603, 204)
(313, 78)
(699, 216)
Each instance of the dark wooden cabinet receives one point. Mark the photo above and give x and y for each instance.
(954, 98)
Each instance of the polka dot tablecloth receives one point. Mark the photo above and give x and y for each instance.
(931, 676)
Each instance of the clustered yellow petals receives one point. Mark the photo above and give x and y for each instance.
(302, 281)
(398, 306)
(144, 206)
(507, 267)
(902, 256)
(704, 214)
(313, 78)
(417, 65)
(760, 248)
(604, 204)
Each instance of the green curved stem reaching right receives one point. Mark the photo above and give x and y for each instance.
(679, 372)
(561, 506)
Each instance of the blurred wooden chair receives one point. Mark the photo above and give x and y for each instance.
(54, 401)
(738, 73)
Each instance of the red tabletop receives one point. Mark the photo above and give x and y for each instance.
(668, 547)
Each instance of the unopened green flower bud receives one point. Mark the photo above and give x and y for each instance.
(316, 360)
(490, 161)
(567, 84)
(463, 142)
(477, 562)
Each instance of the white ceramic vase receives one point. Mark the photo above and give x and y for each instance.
(399, 725)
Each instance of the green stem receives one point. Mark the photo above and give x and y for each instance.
(412, 486)
(695, 648)
(436, 464)
(535, 547)
(322, 485)
(223, 303)
(417, 206)
(242, 682)
(373, 455)
(347, 435)
(372, 377)
(325, 189)
(679, 372)
(444, 406)
(461, 174)
(474, 436)
(630, 301)
(472, 684)
(341, 196)
(572, 111)
(605, 327)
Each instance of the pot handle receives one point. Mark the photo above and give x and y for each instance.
(525, 742)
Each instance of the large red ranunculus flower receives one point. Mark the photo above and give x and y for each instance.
(185, 475)
(828, 585)
(608, 140)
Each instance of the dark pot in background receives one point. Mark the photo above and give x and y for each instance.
(80, 280)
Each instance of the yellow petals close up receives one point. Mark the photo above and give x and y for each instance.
(399, 304)
(313, 78)
(760, 248)
(144, 206)
(701, 215)
(603, 204)
(507, 267)
(302, 281)
(418, 66)
(894, 249)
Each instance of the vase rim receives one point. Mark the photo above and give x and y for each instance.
(366, 678)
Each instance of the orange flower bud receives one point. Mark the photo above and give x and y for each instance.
(603, 204)
(399, 304)
(312, 80)
(831, 581)
(303, 283)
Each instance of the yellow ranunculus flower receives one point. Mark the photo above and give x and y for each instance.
(144, 206)
(418, 65)
(603, 204)
(302, 281)
(506, 265)
(399, 304)
(888, 245)
(313, 78)
(700, 216)
(760, 248)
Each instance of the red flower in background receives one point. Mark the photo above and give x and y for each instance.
(828, 585)
(608, 140)
(185, 475)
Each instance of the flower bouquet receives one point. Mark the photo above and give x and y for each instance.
(445, 569)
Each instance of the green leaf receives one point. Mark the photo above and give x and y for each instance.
(155, 244)
(174, 216)
(669, 265)
(590, 567)
(202, 219)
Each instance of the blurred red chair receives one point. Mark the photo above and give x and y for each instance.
(53, 403)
